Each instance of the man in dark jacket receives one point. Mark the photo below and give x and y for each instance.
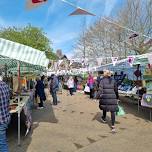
(108, 95)
(40, 91)
(54, 86)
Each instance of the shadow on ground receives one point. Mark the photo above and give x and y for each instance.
(132, 108)
(45, 115)
(38, 116)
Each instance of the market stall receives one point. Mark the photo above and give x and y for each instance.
(15, 59)
(134, 78)
(145, 100)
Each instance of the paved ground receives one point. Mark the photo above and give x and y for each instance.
(74, 126)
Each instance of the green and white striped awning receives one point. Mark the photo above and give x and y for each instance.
(20, 52)
(141, 59)
(12, 66)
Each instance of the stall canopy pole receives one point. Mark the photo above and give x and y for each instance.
(19, 136)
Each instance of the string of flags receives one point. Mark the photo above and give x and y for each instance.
(30, 4)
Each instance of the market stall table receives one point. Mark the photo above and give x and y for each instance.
(18, 107)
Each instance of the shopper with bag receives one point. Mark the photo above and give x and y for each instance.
(70, 85)
(90, 83)
(108, 95)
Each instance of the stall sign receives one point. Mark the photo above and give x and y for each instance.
(147, 100)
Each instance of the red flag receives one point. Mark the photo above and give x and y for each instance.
(80, 11)
(30, 4)
(38, 1)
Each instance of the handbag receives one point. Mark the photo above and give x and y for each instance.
(120, 111)
(37, 100)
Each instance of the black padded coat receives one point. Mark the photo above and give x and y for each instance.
(108, 94)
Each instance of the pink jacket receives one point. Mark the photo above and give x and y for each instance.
(90, 81)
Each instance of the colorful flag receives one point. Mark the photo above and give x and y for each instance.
(80, 11)
(30, 4)
(114, 60)
(131, 60)
(38, 1)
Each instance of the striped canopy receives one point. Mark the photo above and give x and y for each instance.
(142, 59)
(25, 54)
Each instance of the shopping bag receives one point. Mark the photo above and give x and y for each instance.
(37, 100)
(86, 89)
(120, 111)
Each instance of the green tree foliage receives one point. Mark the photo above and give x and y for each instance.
(30, 36)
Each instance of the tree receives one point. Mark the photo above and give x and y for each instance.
(137, 15)
(30, 36)
(107, 38)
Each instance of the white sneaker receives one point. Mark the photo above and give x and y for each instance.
(103, 120)
(40, 108)
(113, 129)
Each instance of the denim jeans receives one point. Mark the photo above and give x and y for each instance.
(3, 141)
(54, 96)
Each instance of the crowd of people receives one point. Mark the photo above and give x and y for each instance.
(104, 88)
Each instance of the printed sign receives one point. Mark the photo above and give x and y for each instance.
(147, 100)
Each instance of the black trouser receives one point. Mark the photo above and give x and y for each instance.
(112, 116)
(41, 103)
(91, 93)
(71, 91)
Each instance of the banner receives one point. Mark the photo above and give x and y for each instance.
(131, 60)
(114, 60)
(147, 100)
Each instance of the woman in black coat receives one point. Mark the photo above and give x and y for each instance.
(108, 95)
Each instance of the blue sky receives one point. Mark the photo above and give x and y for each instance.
(61, 29)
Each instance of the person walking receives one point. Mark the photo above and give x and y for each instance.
(70, 85)
(75, 83)
(95, 88)
(54, 86)
(40, 92)
(90, 83)
(4, 115)
(108, 95)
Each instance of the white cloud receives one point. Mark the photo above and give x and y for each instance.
(51, 9)
(64, 38)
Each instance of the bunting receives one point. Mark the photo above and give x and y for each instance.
(80, 11)
(114, 60)
(131, 60)
(30, 4)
